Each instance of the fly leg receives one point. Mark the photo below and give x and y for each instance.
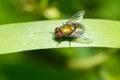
(70, 44)
(58, 43)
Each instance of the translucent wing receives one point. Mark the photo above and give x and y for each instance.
(77, 17)
(85, 38)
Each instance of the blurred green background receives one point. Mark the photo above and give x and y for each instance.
(59, 64)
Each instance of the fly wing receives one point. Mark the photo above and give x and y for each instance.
(77, 17)
(85, 38)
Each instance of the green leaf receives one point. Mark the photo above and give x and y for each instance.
(38, 35)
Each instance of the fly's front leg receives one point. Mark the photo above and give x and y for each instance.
(58, 43)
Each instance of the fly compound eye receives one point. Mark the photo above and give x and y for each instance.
(57, 29)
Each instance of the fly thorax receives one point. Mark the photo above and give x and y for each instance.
(66, 29)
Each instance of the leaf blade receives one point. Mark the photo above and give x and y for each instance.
(36, 35)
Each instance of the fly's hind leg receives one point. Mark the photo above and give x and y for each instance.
(70, 44)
